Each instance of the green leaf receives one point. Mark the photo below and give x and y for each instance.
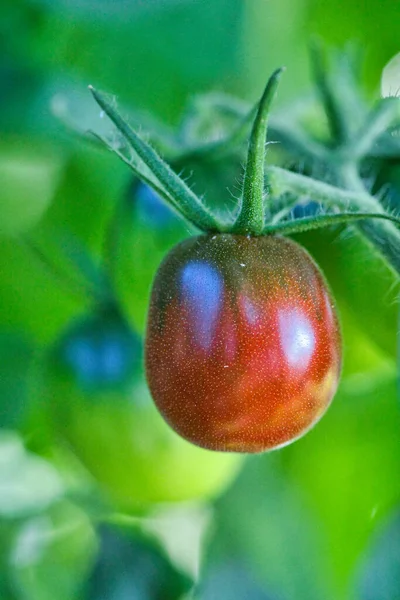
(381, 119)
(338, 118)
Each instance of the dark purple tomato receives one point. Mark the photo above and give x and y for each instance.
(243, 349)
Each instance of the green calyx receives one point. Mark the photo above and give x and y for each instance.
(270, 192)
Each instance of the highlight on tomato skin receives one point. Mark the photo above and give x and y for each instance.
(243, 348)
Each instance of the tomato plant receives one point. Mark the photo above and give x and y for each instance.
(243, 345)
(243, 348)
(100, 406)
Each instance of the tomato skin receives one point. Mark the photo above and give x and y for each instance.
(243, 349)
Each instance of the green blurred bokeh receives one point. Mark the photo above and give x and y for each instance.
(315, 521)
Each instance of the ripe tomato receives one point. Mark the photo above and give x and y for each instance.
(243, 347)
(100, 405)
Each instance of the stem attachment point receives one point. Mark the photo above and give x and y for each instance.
(252, 212)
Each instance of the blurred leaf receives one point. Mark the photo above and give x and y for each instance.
(85, 199)
(164, 50)
(16, 354)
(264, 524)
(345, 466)
(231, 581)
(28, 484)
(29, 176)
(373, 24)
(52, 555)
(379, 575)
(133, 567)
(32, 299)
(273, 34)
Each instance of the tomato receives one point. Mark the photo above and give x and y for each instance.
(243, 347)
(99, 404)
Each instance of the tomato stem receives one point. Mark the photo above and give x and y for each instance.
(190, 206)
(384, 235)
(252, 211)
(282, 181)
(324, 220)
(147, 179)
(384, 116)
(336, 116)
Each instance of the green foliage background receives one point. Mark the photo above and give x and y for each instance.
(315, 521)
